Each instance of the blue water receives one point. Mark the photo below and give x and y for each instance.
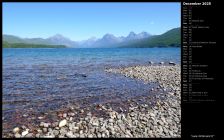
(46, 79)
(84, 57)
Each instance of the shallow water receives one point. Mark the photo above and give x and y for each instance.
(47, 79)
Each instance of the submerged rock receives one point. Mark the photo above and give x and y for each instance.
(161, 63)
(150, 62)
(172, 63)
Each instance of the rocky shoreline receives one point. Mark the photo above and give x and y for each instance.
(138, 120)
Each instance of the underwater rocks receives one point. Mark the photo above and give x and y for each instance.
(162, 120)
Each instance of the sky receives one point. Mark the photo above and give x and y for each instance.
(80, 21)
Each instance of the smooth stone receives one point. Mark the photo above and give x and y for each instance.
(163, 119)
(76, 128)
(17, 135)
(161, 63)
(132, 114)
(176, 119)
(90, 136)
(165, 130)
(45, 130)
(172, 63)
(69, 134)
(55, 132)
(107, 133)
(25, 115)
(70, 119)
(152, 114)
(40, 118)
(89, 114)
(160, 122)
(103, 135)
(150, 62)
(46, 125)
(171, 133)
(82, 136)
(61, 136)
(53, 125)
(98, 135)
(95, 124)
(37, 135)
(81, 132)
(25, 132)
(70, 128)
(72, 114)
(62, 123)
(111, 120)
(41, 124)
(60, 115)
(49, 136)
(30, 135)
(129, 133)
(49, 129)
(23, 127)
(64, 115)
(39, 130)
(16, 130)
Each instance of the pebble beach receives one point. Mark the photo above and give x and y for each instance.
(161, 120)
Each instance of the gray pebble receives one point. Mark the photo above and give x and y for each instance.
(44, 130)
(55, 132)
(69, 134)
(30, 135)
(17, 135)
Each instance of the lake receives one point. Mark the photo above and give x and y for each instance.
(48, 79)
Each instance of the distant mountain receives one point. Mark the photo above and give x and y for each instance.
(37, 41)
(171, 38)
(143, 35)
(54, 40)
(61, 40)
(133, 36)
(143, 39)
(109, 40)
(87, 43)
(13, 39)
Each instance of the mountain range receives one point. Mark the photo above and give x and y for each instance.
(143, 39)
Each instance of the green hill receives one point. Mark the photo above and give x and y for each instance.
(13, 39)
(171, 38)
(24, 45)
(6, 44)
